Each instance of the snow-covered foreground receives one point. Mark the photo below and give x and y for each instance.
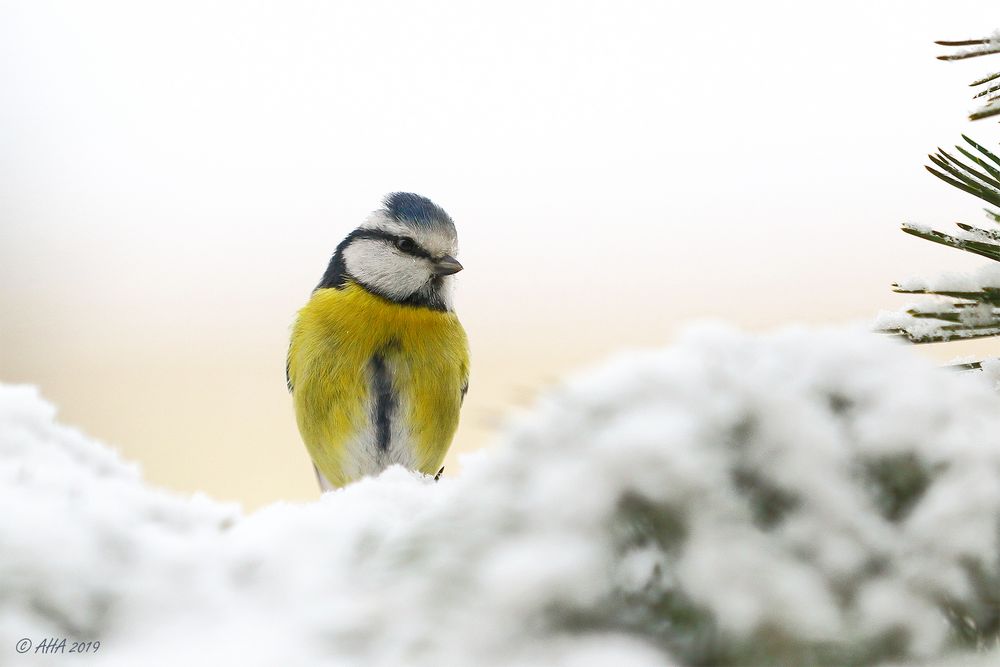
(801, 498)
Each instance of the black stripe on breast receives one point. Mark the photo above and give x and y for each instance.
(385, 401)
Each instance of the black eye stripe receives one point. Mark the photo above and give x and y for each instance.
(392, 239)
(417, 251)
(407, 245)
(338, 277)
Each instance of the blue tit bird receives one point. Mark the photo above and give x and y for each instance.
(378, 364)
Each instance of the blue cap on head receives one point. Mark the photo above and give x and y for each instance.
(408, 208)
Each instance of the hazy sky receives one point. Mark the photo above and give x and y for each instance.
(174, 177)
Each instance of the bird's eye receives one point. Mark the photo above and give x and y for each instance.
(405, 244)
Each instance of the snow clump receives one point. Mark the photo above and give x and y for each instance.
(801, 498)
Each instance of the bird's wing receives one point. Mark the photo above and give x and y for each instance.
(324, 483)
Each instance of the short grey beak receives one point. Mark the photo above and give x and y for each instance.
(446, 266)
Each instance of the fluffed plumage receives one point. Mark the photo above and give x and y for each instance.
(378, 363)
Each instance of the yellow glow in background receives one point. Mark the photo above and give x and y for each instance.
(174, 178)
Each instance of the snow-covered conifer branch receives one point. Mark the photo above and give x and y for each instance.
(967, 306)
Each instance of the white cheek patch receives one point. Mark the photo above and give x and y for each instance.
(381, 267)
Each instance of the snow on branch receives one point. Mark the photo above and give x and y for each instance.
(980, 47)
(967, 307)
(801, 498)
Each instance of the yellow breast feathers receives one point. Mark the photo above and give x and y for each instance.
(375, 382)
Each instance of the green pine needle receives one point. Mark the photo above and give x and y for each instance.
(990, 169)
(985, 112)
(943, 159)
(988, 250)
(988, 195)
(989, 234)
(981, 149)
(990, 295)
(985, 79)
(945, 334)
(984, 93)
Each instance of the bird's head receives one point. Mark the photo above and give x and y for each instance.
(404, 252)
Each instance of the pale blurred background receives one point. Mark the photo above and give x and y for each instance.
(174, 177)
